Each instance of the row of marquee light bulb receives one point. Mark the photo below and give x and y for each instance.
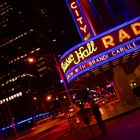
(11, 98)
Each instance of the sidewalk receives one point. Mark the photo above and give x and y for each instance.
(120, 121)
(125, 127)
(38, 132)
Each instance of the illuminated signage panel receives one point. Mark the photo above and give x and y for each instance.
(101, 49)
(79, 18)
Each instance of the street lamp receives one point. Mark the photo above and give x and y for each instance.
(49, 97)
(64, 97)
(30, 59)
(34, 98)
(59, 70)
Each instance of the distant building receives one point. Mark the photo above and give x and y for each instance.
(26, 63)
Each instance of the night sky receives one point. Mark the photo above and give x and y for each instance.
(59, 10)
(59, 13)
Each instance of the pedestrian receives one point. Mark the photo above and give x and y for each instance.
(84, 115)
(97, 114)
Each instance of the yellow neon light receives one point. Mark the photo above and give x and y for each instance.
(123, 35)
(84, 28)
(79, 55)
(108, 41)
(67, 62)
(87, 37)
(136, 28)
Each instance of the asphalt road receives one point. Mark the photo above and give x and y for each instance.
(126, 127)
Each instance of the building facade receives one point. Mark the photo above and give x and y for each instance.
(27, 70)
(87, 64)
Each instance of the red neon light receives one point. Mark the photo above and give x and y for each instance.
(79, 20)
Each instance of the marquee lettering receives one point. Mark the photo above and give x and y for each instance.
(136, 28)
(80, 54)
(104, 42)
(108, 41)
(123, 35)
(84, 28)
(73, 5)
(67, 62)
(80, 20)
(122, 49)
(77, 13)
(100, 58)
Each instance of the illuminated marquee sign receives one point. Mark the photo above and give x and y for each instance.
(101, 49)
(80, 20)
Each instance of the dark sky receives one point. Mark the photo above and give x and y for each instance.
(61, 13)
(58, 11)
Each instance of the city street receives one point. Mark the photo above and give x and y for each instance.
(54, 128)
(125, 127)
(68, 65)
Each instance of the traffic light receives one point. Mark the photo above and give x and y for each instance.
(61, 81)
(87, 89)
(94, 95)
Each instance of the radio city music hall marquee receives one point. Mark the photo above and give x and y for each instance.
(80, 20)
(108, 46)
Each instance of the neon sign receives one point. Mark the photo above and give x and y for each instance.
(80, 54)
(80, 20)
(101, 49)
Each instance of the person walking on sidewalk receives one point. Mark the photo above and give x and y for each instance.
(97, 114)
(84, 115)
